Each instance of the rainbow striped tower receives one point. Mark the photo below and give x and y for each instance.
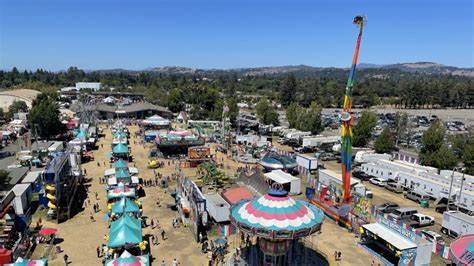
(347, 118)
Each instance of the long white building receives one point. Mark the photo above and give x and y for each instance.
(424, 179)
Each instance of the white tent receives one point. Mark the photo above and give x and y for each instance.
(156, 120)
(285, 179)
(111, 171)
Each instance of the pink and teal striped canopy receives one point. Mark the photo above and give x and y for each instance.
(277, 212)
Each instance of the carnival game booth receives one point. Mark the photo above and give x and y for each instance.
(177, 142)
(127, 259)
(274, 161)
(288, 182)
(125, 234)
(198, 155)
(277, 221)
(395, 243)
(461, 251)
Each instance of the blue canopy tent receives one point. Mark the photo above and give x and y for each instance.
(119, 135)
(126, 221)
(120, 149)
(120, 164)
(122, 174)
(125, 231)
(125, 205)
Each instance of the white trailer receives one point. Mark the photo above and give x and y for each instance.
(290, 183)
(307, 162)
(330, 178)
(22, 200)
(217, 207)
(317, 141)
(370, 156)
(457, 224)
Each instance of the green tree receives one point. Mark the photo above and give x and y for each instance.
(362, 131)
(266, 112)
(288, 90)
(309, 119)
(2, 114)
(433, 151)
(468, 154)
(233, 111)
(44, 118)
(292, 114)
(17, 106)
(176, 100)
(384, 143)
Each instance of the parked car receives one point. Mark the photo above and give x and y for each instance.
(394, 187)
(419, 220)
(403, 213)
(388, 207)
(433, 237)
(416, 196)
(377, 181)
(360, 175)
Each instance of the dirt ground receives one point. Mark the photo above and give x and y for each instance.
(81, 237)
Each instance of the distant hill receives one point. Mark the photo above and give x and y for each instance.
(428, 68)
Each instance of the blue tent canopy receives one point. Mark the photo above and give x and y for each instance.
(122, 173)
(125, 205)
(120, 149)
(119, 134)
(120, 164)
(126, 230)
(81, 134)
(125, 221)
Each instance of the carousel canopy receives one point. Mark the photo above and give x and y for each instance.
(462, 249)
(120, 164)
(277, 216)
(22, 262)
(125, 205)
(127, 259)
(120, 149)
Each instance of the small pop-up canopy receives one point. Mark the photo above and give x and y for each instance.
(120, 164)
(126, 230)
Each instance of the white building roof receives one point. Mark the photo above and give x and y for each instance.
(280, 177)
(391, 237)
(31, 177)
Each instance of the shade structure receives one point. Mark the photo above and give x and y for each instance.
(25, 262)
(277, 216)
(121, 191)
(124, 232)
(120, 164)
(127, 259)
(125, 205)
(120, 149)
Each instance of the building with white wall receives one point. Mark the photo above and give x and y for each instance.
(95, 86)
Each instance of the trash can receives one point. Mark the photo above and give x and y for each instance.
(424, 203)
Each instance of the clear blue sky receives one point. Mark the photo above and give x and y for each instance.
(135, 34)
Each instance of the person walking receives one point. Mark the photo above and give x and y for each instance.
(98, 252)
(175, 262)
(163, 234)
(163, 263)
(66, 257)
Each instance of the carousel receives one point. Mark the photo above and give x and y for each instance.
(276, 222)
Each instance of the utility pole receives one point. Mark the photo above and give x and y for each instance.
(460, 189)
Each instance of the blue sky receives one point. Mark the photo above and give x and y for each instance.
(54, 34)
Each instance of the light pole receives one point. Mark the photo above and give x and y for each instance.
(460, 188)
(451, 186)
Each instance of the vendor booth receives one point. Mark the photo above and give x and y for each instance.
(120, 191)
(125, 205)
(288, 182)
(395, 243)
